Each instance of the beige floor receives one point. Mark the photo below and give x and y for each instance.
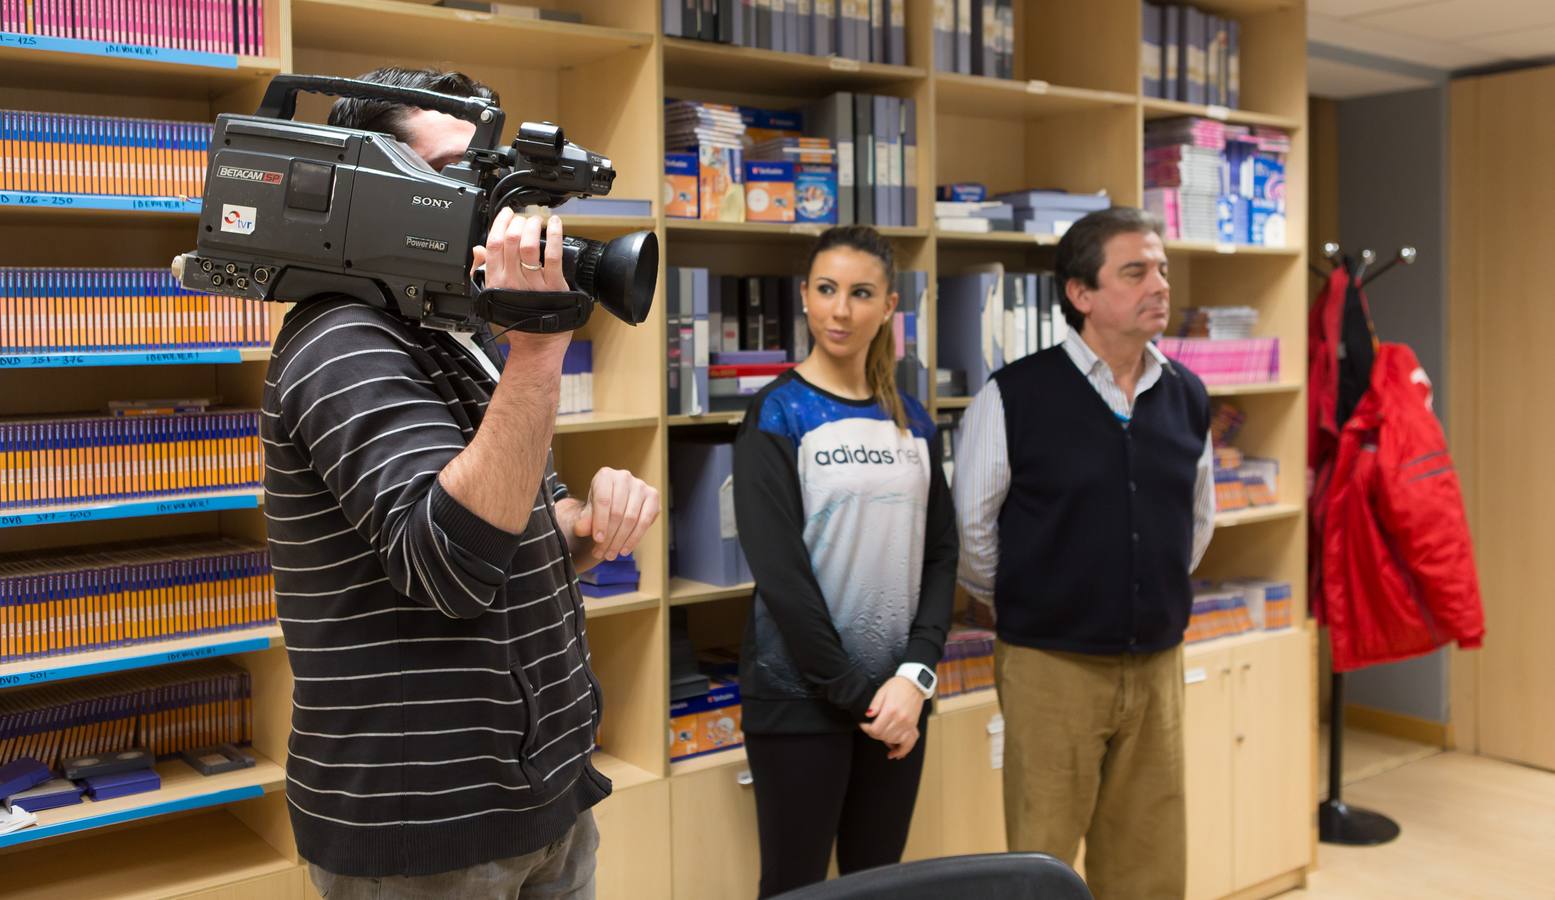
(1472, 828)
(1367, 755)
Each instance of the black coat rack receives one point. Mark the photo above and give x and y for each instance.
(1337, 821)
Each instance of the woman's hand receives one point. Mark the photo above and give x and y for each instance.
(895, 711)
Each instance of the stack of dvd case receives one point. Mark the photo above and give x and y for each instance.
(79, 599)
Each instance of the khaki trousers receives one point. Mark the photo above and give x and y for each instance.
(1094, 750)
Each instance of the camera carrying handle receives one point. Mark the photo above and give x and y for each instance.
(280, 102)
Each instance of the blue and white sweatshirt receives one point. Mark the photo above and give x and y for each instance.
(848, 526)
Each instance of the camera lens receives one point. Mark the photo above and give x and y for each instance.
(621, 274)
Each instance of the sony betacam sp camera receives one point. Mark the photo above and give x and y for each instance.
(293, 210)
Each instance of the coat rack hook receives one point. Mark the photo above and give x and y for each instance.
(1406, 256)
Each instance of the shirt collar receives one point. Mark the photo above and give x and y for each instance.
(1086, 359)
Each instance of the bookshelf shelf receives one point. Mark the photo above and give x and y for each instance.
(1155, 108)
(953, 402)
(400, 30)
(1197, 649)
(177, 858)
(689, 63)
(1212, 249)
(734, 756)
(107, 358)
(248, 498)
(606, 226)
(597, 607)
(1242, 390)
(622, 774)
(138, 656)
(717, 418)
(995, 239)
(1271, 513)
(183, 789)
(684, 591)
(970, 700)
(85, 65)
(599, 420)
(117, 209)
(757, 232)
(977, 95)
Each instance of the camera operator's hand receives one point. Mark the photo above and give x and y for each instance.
(513, 261)
(620, 507)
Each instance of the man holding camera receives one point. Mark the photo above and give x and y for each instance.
(425, 559)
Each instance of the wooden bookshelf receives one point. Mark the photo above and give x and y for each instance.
(183, 789)
(734, 756)
(598, 607)
(408, 30)
(1254, 389)
(688, 62)
(684, 591)
(1073, 119)
(714, 419)
(574, 423)
(1255, 514)
(969, 700)
(1156, 108)
(977, 95)
(994, 238)
(181, 857)
(146, 844)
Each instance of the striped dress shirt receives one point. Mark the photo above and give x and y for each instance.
(983, 465)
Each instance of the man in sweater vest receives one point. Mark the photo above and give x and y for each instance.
(426, 556)
(1085, 496)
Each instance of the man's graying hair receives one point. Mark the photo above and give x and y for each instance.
(388, 116)
(1083, 249)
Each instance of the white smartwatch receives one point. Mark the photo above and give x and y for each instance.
(922, 677)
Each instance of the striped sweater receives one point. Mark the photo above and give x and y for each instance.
(443, 708)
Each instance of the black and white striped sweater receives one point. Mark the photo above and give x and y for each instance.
(443, 709)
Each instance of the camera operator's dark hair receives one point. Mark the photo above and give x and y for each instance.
(389, 117)
(1083, 249)
(880, 360)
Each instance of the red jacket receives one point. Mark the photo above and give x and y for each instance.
(1393, 556)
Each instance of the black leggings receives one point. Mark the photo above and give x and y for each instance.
(812, 789)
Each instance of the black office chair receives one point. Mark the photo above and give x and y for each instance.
(987, 876)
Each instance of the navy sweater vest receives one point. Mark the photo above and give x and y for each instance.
(1096, 533)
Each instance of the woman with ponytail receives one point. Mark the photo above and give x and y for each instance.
(846, 520)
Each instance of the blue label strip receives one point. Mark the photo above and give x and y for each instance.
(117, 358)
(37, 200)
(131, 510)
(216, 798)
(142, 661)
(116, 50)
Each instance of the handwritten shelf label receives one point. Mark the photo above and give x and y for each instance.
(115, 358)
(130, 510)
(36, 200)
(115, 50)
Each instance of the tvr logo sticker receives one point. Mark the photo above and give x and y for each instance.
(238, 219)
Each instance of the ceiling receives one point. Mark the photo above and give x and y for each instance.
(1361, 47)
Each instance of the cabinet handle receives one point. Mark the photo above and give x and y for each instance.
(1247, 667)
(743, 778)
(1241, 739)
(1225, 671)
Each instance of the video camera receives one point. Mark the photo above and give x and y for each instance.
(293, 210)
